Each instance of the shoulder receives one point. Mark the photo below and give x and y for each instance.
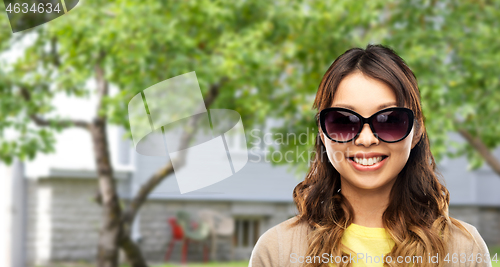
(469, 242)
(278, 245)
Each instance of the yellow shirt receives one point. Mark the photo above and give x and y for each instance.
(370, 245)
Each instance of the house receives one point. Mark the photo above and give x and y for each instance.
(474, 196)
(63, 220)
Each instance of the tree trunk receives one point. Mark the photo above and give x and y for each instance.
(111, 228)
(116, 225)
(133, 253)
(114, 232)
(482, 149)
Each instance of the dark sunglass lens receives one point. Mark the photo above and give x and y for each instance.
(391, 125)
(341, 125)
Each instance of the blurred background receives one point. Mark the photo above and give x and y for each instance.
(75, 191)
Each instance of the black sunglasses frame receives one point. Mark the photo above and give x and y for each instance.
(368, 120)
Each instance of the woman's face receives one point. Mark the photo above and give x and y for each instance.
(366, 96)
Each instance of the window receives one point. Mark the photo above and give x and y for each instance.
(246, 232)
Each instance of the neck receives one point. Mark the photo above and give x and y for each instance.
(368, 205)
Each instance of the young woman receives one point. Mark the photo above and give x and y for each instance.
(371, 196)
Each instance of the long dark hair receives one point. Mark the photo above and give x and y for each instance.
(417, 215)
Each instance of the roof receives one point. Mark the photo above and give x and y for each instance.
(257, 181)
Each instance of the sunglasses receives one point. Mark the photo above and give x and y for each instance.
(389, 125)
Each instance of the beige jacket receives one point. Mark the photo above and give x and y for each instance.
(281, 246)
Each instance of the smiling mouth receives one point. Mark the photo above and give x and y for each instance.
(368, 161)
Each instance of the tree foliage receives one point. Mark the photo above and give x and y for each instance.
(274, 54)
(450, 45)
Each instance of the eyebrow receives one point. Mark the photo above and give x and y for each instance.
(385, 105)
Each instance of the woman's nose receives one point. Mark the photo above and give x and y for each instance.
(366, 137)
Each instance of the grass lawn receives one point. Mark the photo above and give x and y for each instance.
(493, 251)
(221, 264)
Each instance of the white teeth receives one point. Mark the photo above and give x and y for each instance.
(367, 162)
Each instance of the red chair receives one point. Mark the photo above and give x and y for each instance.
(178, 234)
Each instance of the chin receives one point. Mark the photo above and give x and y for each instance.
(369, 186)
(369, 183)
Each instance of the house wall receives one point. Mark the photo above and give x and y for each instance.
(485, 219)
(64, 221)
(156, 233)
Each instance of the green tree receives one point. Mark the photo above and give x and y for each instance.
(259, 58)
(453, 51)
